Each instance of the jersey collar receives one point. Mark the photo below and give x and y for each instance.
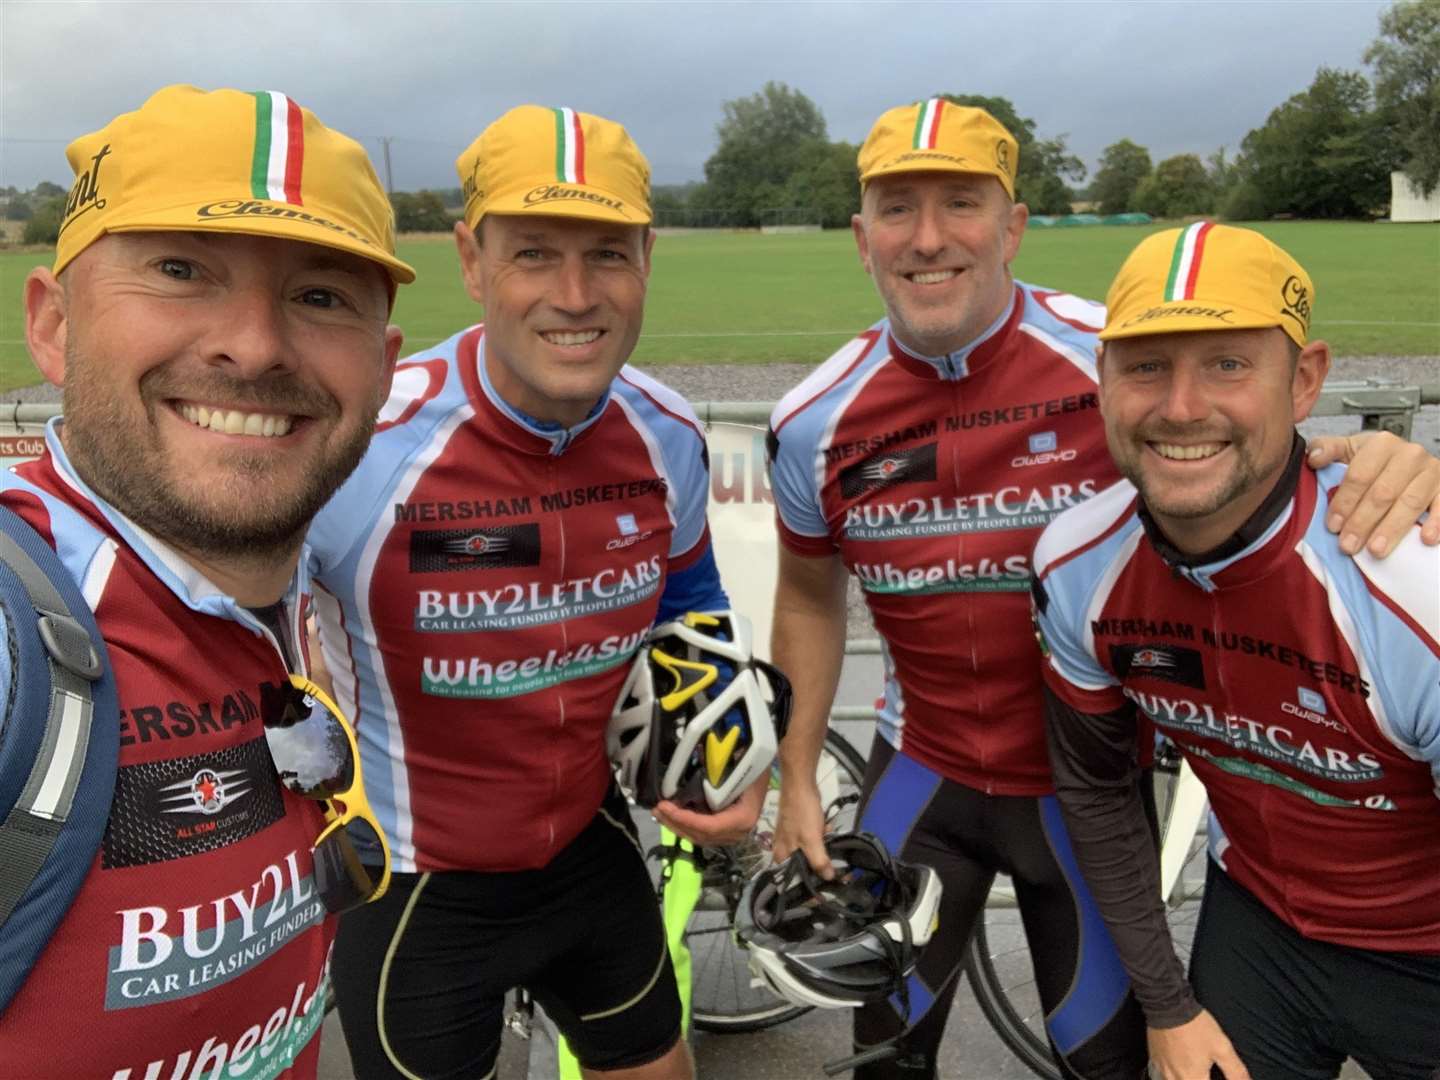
(1255, 548)
(189, 585)
(525, 432)
(969, 358)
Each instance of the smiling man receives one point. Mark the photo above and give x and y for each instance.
(1303, 686)
(530, 508)
(924, 458)
(217, 315)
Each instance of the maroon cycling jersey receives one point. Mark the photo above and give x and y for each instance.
(1302, 685)
(932, 479)
(197, 943)
(482, 581)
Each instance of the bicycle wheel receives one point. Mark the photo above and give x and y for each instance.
(723, 997)
(998, 963)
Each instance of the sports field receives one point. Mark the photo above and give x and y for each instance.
(746, 298)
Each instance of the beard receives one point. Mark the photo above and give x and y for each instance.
(1244, 475)
(257, 507)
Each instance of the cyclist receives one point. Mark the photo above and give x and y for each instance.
(222, 343)
(924, 458)
(1205, 593)
(531, 506)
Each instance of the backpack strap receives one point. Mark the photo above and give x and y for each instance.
(60, 747)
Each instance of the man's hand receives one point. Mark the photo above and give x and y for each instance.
(1390, 483)
(800, 824)
(728, 826)
(1187, 1052)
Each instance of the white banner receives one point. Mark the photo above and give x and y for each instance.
(742, 524)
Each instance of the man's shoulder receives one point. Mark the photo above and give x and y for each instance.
(654, 404)
(1088, 536)
(828, 385)
(1405, 583)
(1067, 324)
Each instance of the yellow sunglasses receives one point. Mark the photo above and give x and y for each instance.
(316, 756)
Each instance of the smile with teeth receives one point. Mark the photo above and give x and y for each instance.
(234, 422)
(570, 337)
(931, 277)
(1176, 452)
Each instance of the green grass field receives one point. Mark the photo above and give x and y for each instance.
(746, 298)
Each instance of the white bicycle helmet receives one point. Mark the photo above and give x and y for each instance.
(680, 732)
(842, 943)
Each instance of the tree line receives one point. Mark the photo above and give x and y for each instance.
(1326, 152)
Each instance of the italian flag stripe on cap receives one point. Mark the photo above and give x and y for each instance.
(1185, 262)
(569, 147)
(279, 154)
(927, 123)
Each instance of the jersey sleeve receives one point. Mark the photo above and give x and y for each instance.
(694, 587)
(1094, 756)
(1070, 668)
(795, 483)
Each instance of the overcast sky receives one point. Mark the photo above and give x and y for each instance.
(1174, 77)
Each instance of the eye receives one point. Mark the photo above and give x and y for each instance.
(321, 298)
(179, 269)
(529, 255)
(1230, 364)
(611, 255)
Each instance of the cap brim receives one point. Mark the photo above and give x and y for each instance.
(568, 200)
(1183, 316)
(311, 228)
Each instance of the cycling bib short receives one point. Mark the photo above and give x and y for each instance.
(422, 974)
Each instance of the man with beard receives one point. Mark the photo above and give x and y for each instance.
(1302, 685)
(924, 458)
(530, 508)
(217, 315)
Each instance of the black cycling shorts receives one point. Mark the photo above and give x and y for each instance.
(1095, 1026)
(1296, 1008)
(425, 969)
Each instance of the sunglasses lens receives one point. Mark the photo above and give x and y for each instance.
(342, 878)
(309, 743)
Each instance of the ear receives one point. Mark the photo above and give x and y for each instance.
(471, 258)
(46, 323)
(394, 340)
(862, 243)
(1016, 220)
(1311, 367)
(649, 250)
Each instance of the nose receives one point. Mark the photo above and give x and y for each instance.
(928, 239)
(574, 292)
(1185, 400)
(253, 333)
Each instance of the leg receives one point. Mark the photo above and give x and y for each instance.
(906, 805)
(1262, 985)
(611, 986)
(1390, 1005)
(1095, 1025)
(410, 1002)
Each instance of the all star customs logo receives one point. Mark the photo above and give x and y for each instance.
(888, 469)
(559, 192)
(208, 792)
(1002, 155)
(437, 550)
(1172, 663)
(85, 191)
(1295, 298)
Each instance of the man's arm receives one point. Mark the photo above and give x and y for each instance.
(1097, 784)
(1389, 484)
(807, 642)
